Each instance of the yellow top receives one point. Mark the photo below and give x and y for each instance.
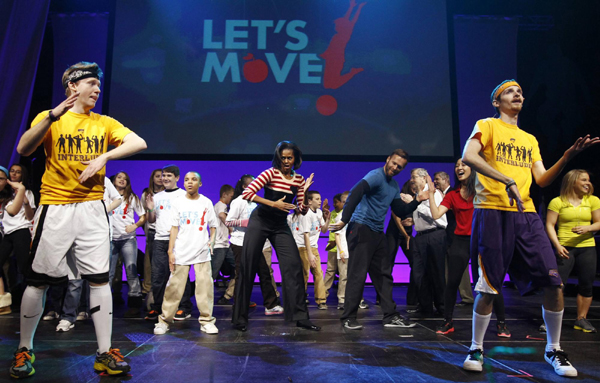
(570, 216)
(75, 138)
(512, 152)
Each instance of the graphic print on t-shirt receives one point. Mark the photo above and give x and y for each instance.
(514, 154)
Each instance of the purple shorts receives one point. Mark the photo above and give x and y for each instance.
(495, 236)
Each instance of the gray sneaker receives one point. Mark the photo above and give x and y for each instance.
(352, 324)
(398, 321)
(584, 325)
(363, 305)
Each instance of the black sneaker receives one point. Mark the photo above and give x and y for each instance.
(352, 324)
(152, 315)
(363, 305)
(22, 365)
(445, 328)
(224, 302)
(503, 331)
(112, 362)
(398, 321)
(560, 361)
(181, 315)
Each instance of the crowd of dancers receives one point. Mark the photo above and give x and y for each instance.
(85, 228)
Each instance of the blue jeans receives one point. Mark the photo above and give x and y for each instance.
(76, 299)
(160, 277)
(220, 255)
(128, 250)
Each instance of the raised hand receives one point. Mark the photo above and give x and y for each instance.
(430, 183)
(283, 206)
(149, 201)
(15, 185)
(406, 198)
(308, 182)
(326, 205)
(64, 106)
(581, 144)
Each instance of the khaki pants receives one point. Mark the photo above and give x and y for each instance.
(317, 273)
(335, 265)
(176, 286)
(268, 252)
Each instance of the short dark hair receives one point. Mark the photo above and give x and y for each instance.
(338, 197)
(225, 189)
(280, 148)
(310, 194)
(400, 152)
(173, 169)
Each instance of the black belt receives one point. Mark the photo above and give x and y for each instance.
(430, 230)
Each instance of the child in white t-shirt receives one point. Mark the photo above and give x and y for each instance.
(193, 216)
(311, 226)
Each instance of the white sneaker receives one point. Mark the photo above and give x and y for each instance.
(64, 326)
(161, 328)
(51, 315)
(560, 361)
(209, 328)
(277, 310)
(474, 361)
(82, 316)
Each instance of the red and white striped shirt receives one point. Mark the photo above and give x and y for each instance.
(273, 180)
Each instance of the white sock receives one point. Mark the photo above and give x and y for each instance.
(101, 310)
(553, 320)
(480, 325)
(32, 309)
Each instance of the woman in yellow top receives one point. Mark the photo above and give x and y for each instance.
(577, 212)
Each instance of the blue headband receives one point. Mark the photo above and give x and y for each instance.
(500, 88)
(3, 169)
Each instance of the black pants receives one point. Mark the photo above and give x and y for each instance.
(262, 226)
(458, 261)
(585, 259)
(395, 240)
(368, 252)
(18, 243)
(429, 268)
(270, 299)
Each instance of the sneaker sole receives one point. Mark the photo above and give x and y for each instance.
(353, 327)
(99, 367)
(445, 332)
(583, 329)
(65, 330)
(23, 376)
(210, 333)
(391, 325)
(473, 368)
(570, 373)
(504, 335)
(182, 318)
(274, 313)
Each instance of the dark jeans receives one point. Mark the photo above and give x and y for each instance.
(264, 225)
(429, 259)
(160, 277)
(220, 255)
(368, 252)
(270, 299)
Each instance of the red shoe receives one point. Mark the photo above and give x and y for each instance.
(445, 328)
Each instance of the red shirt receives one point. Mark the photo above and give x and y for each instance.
(463, 211)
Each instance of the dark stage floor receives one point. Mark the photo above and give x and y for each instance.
(275, 351)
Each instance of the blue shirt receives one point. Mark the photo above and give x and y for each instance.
(373, 206)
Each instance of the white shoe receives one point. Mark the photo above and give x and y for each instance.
(82, 316)
(5, 300)
(474, 361)
(51, 315)
(209, 328)
(560, 361)
(161, 328)
(277, 310)
(64, 326)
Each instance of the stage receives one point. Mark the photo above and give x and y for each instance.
(276, 351)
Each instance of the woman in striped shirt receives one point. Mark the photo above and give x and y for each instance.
(283, 186)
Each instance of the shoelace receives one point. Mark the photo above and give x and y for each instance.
(116, 354)
(473, 352)
(561, 357)
(21, 357)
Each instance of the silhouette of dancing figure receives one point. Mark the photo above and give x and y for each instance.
(334, 56)
(61, 144)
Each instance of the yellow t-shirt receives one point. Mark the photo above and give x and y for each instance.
(75, 138)
(332, 218)
(512, 152)
(570, 216)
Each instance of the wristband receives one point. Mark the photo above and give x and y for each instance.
(511, 183)
(52, 117)
(149, 210)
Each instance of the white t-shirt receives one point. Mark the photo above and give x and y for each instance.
(311, 223)
(18, 221)
(163, 205)
(422, 216)
(241, 209)
(122, 217)
(193, 218)
(222, 230)
(343, 247)
(110, 194)
(293, 221)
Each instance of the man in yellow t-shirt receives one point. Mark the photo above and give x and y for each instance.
(505, 158)
(71, 235)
